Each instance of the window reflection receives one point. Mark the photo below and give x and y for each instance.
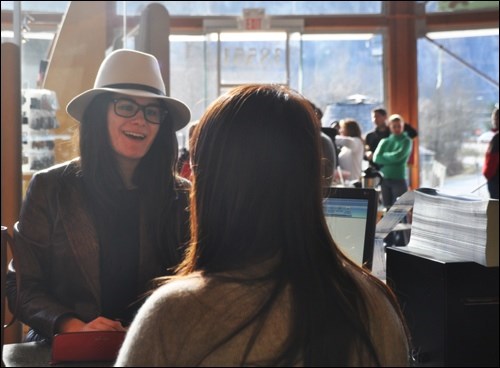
(259, 58)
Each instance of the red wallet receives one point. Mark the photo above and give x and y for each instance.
(86, 346)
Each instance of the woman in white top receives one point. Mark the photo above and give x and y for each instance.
(352, 149)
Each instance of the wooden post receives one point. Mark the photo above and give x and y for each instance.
(401, 69)
(154, 29)
(11, 154)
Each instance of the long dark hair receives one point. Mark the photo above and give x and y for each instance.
(257, 194)
(155, 175)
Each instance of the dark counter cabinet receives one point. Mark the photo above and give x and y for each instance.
(451, 308)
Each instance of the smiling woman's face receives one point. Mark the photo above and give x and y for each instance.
(131, 137)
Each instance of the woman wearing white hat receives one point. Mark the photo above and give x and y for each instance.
(94, 231)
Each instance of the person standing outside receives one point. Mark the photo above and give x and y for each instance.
(392, 155)
(94, 231)
(491, 159)
(351, 148)
(381, 130)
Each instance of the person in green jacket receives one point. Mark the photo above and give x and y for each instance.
(392, 155)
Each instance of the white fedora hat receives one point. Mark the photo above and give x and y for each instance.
(131, 73)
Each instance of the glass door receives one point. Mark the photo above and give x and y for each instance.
(235, 57)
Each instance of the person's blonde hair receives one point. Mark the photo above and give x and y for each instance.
(396, 117)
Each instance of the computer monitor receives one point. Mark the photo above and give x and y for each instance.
(351, 216)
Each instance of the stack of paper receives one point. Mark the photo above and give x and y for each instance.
(455, 228)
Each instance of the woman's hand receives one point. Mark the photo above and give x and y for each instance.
(103, 324)
(72, 324)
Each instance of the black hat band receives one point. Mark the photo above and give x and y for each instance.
(141, 87)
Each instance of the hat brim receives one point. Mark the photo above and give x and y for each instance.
(178, 111)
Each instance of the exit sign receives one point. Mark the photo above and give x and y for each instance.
(254, 19)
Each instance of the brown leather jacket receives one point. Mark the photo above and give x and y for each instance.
(57, 251)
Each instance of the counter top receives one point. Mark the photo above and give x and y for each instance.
(37, 354)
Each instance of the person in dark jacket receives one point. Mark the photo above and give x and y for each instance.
(381, 131)
(93, 232)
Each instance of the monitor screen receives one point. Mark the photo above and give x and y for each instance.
(351, 215)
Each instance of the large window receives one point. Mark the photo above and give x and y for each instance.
(458, 89)
(340, 70)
